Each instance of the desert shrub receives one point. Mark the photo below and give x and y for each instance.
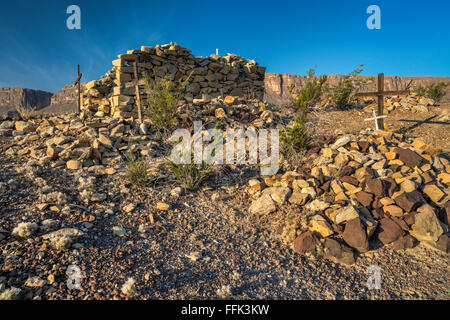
(342, 93)
(433, 91)
(137, 172)
(192, 175)
(26, 113)
(294, 137)
(163, 95)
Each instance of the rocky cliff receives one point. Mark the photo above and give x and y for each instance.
(10, 98)
(277, 84)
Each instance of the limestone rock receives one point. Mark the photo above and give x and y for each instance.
(320, 225)
(278, 194)
(346, 214)
(426, 226)
(263, 205)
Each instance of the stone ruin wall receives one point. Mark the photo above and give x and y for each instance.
(115, 94)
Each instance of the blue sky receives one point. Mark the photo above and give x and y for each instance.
(39, 52)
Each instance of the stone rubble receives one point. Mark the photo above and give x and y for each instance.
(115, 94)
(361, 190)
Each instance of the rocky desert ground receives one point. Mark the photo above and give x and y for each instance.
(72, 227)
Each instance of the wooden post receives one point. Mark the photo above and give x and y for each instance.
(380, 100)
(138, 95)
(78, 84)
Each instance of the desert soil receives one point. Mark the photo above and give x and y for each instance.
(206, 247)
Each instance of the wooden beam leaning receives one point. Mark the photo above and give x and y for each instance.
(138, 95)
(385, 93)
(78, 84)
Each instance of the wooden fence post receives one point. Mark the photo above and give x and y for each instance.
(138, 95)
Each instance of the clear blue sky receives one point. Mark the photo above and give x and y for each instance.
(38, 51)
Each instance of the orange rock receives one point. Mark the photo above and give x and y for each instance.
(162, 206)
(229, 100)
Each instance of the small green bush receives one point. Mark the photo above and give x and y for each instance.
(137, 173)
(342, 93)
(433, 91)
(192, 175)
(294, 137)
(163, 95)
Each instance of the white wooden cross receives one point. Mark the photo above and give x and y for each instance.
(375, 118)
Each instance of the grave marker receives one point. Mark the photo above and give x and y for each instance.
(380, 93)
(375, 118)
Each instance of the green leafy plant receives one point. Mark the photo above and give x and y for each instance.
(137, 172)
(342, 93)
(192, 175)
(163, 95)
(294, 137)
(433, 91)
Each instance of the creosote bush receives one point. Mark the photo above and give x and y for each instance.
(342, 93)
(294, 138)
(137, 173)
(163, 95)
(433, 91)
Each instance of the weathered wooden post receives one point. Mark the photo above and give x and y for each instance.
(380, 100)
(78, 84)
(138, 94)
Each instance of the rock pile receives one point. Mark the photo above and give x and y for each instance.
(213, 76)
(359, 193)
(412, 102)
(99, 143)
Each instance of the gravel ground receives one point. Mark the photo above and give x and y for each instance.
(206, 246)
